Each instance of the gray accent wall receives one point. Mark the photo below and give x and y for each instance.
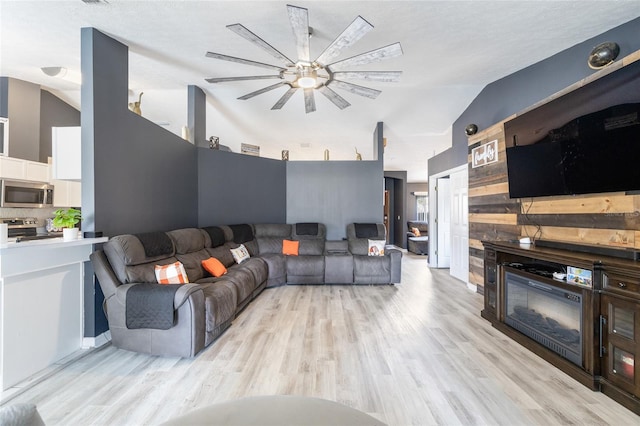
(517, 91)
(236, 188)
(54, 112)
(335, 193)
(136, 176)
(22, 106)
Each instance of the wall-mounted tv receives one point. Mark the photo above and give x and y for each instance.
(585, 141)
(597, 152)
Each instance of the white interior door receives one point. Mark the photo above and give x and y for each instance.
(460, 225)
(444, 222)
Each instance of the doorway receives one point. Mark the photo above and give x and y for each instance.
(395, 209)
(449, 226)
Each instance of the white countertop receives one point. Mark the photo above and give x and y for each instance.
(51, 243)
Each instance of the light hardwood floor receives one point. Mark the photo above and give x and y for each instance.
(415, 353)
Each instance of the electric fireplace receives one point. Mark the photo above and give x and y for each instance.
(552, 316)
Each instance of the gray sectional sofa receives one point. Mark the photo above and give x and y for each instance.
(181, 320)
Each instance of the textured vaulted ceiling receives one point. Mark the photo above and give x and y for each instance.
(452, 49)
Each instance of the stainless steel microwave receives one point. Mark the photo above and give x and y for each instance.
(16, 193)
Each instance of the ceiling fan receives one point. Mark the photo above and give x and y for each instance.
(321, 74)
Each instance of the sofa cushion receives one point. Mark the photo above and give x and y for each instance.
(155, 244)
(222, 253)
(258, 269)
(305, 269)
(366, 230)
(290, 248)
(193, 263)
(214, 267)
(276, 268)
(309, 231)
(128, 250)
(371, 270)
(129, 262)
(311, 244)
(276, 230)
(252, 247)
(241, 233)
(306, 228)
(311, 247)
(220, 300)
(269, 237)
(187, 240)
(216, 235)
(243, 280)
(360, 246)
(269, 245)
(172, 273)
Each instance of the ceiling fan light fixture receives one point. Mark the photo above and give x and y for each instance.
(307, 78)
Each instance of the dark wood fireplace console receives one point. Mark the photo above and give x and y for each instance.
(604, 328)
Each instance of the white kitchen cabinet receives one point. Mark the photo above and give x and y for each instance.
(65, 146)
(66, 193)
(17, 168)
(12, 168)
(35, 171)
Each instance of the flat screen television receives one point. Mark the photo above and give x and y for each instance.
(594, 153)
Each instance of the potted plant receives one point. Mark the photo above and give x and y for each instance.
(67, 220)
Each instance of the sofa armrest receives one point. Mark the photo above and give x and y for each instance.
(106, 277)
(180, 297)
(396, 264)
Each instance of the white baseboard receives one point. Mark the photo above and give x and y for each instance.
(472, 287)
(96, 342)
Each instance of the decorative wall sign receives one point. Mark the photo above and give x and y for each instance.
(484, 154)
(248, 149)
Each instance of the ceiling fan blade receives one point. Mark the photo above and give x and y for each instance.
(242, 61)
(355, 89)
(381, 76)
(338, 100)
(299, 19)
(354, 32)
(242, 31)
(283, 100)
(249, 77)
(261, 91)
(377, 55)
(309, 101)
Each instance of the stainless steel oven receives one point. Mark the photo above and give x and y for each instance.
(16, 193)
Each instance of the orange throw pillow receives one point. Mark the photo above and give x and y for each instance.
(214, 267)
(173, 273)
(415, 231)
(290, 248)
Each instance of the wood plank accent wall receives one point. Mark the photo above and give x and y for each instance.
(492, 214)
(608, 219)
